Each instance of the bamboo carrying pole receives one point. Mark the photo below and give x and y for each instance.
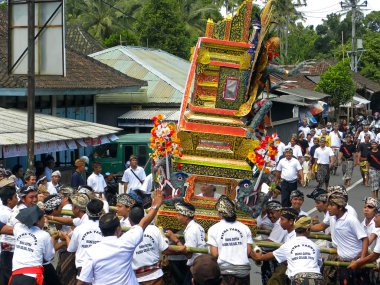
(267, 244)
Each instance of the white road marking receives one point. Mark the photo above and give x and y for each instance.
(348, 189)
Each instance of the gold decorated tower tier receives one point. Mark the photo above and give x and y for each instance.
(213, 137)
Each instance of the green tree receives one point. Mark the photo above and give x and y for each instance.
(285, 14)
(337, 82)
(370, 60)
(161, 26)
(301, 43)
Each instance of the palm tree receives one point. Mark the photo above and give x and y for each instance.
(286, 14)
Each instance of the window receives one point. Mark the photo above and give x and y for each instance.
(231, 88)
(106, 150)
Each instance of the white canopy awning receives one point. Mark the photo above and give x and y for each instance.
(357, 101)
(51, 133)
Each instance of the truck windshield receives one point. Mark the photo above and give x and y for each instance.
(106, 150)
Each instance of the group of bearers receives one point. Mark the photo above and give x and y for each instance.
(351, 239)
(103, 254)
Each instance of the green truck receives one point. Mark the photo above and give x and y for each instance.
(115, 154)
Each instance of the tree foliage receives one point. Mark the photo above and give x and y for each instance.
(337, 82)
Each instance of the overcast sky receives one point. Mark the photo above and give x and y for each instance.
(316, 10)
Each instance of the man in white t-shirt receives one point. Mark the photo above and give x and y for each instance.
(324, 159)
(288, 170)
(304, 128)
(133, 176)
(278, 234)
(33, 246)
(336, 138)
(302, 255)
(96, 180)
(296, 199)
(87, 234)
(194, 234)
(109, 262)
(53, 186)
(9, 200)
(365, 132)
(297, 151)
(123, 207)
(231, 242)
(350, 239)
(376, 251)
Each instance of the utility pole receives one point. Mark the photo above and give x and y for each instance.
(31, 84)
(354, 6)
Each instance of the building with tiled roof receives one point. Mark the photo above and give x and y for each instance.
(71, 96)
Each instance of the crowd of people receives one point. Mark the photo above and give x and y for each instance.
(41, 219)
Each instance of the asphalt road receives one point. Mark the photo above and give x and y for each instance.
(356, 193)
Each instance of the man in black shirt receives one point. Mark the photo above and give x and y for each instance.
(347, 157)
(373, 158)
(363, 150)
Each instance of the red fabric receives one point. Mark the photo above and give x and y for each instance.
(147, 268)
(38, 270)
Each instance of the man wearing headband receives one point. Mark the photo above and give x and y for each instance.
(194, 234)
(33, 247)
(89, 191)
(86, 234)
(296, 200)
(287, 170)
(363, 149)
(77, 178)
(110, 261)
(324, 158)
(278, 234)
(146, 258)
(376, 251)
(28, 198)
(9, 201)
(52, 207)
(230, 241)
(348, 159)
(373, 158)
(302, 255)
(123, 206)
(369, 211)
(53, 186)
(349, 237)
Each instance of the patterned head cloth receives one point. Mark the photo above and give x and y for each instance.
(289, 213)
(56, 173)
(85, 189)
(337, 198)
(52, 202)
(97, 208)
(274, 205)
(318, 194)
(26, 189)
(371, 201)
(126, 200)
(66, 191)
(80, 201)
(226, 207)
(303, 222)
(296, 194)
(185, 209)
(338, 189)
